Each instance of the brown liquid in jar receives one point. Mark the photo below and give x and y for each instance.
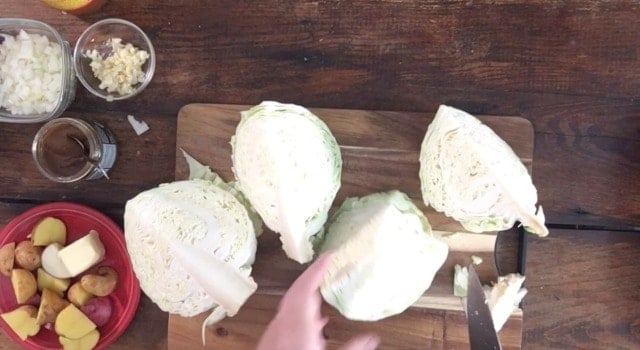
(62, 155)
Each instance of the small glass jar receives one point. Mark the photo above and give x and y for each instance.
(68, 150)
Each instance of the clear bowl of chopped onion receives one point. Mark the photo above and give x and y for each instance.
(37, 80)
(114, 59)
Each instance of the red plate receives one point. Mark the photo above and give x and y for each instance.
(79, 220)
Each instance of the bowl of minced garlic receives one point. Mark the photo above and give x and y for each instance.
(114, 59)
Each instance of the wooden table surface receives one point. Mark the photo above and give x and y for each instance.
(572, 68)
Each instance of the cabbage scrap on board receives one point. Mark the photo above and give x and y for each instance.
(288, 165)
(470, 174)
(192, 244)
(384, 256)
(502, 298)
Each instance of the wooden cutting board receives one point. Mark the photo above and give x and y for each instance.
(380, 152)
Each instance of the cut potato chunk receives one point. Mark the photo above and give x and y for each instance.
(58, 285)
(87, 342)
(78, 295)
(24, 285)
(50, 306)
(71, 323)
(49, 230)
(22, 321)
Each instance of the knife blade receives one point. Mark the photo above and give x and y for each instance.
(482, 334)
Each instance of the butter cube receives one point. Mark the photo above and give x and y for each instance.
(80, 255)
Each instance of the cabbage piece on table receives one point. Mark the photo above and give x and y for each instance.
(288, 165)
(385, 256)
(470, 174)
(192, 244)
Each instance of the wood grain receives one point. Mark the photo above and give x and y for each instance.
(583, 291)
(380, 152)
(141, 163)
(568, 67)
(373, 55)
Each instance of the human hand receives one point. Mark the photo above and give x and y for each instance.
(299, 322)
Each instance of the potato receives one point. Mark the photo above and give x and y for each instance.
(87, 342)
(7, 255)
(78, 295)
(24, 285)
(27, 255)
(49, 230)
(101, 284)
(98, 310)
(72, 323)
(50, 306)
(22, 321)
(58, 285)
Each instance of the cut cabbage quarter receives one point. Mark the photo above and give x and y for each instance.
(192, 244)
(287, 163)
(384, 256)
(470, 174)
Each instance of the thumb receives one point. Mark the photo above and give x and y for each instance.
(362, 342)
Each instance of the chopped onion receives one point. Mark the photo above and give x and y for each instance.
(30, 73)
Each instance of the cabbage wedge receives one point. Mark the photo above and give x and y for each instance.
(288, 165)
(470, 174)
(384, 256)
(192, 244)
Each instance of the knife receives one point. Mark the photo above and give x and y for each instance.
(482, 334)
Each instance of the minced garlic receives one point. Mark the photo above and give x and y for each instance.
(121, 70)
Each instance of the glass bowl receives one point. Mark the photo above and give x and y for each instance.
(12, 26)
(97, 37)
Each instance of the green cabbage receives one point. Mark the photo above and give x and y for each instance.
(385, 256)
(288, 165)
(472, 175)
(192, 244)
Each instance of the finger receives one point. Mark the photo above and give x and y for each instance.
(310, 280)
(362, 342)
(324, 321)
